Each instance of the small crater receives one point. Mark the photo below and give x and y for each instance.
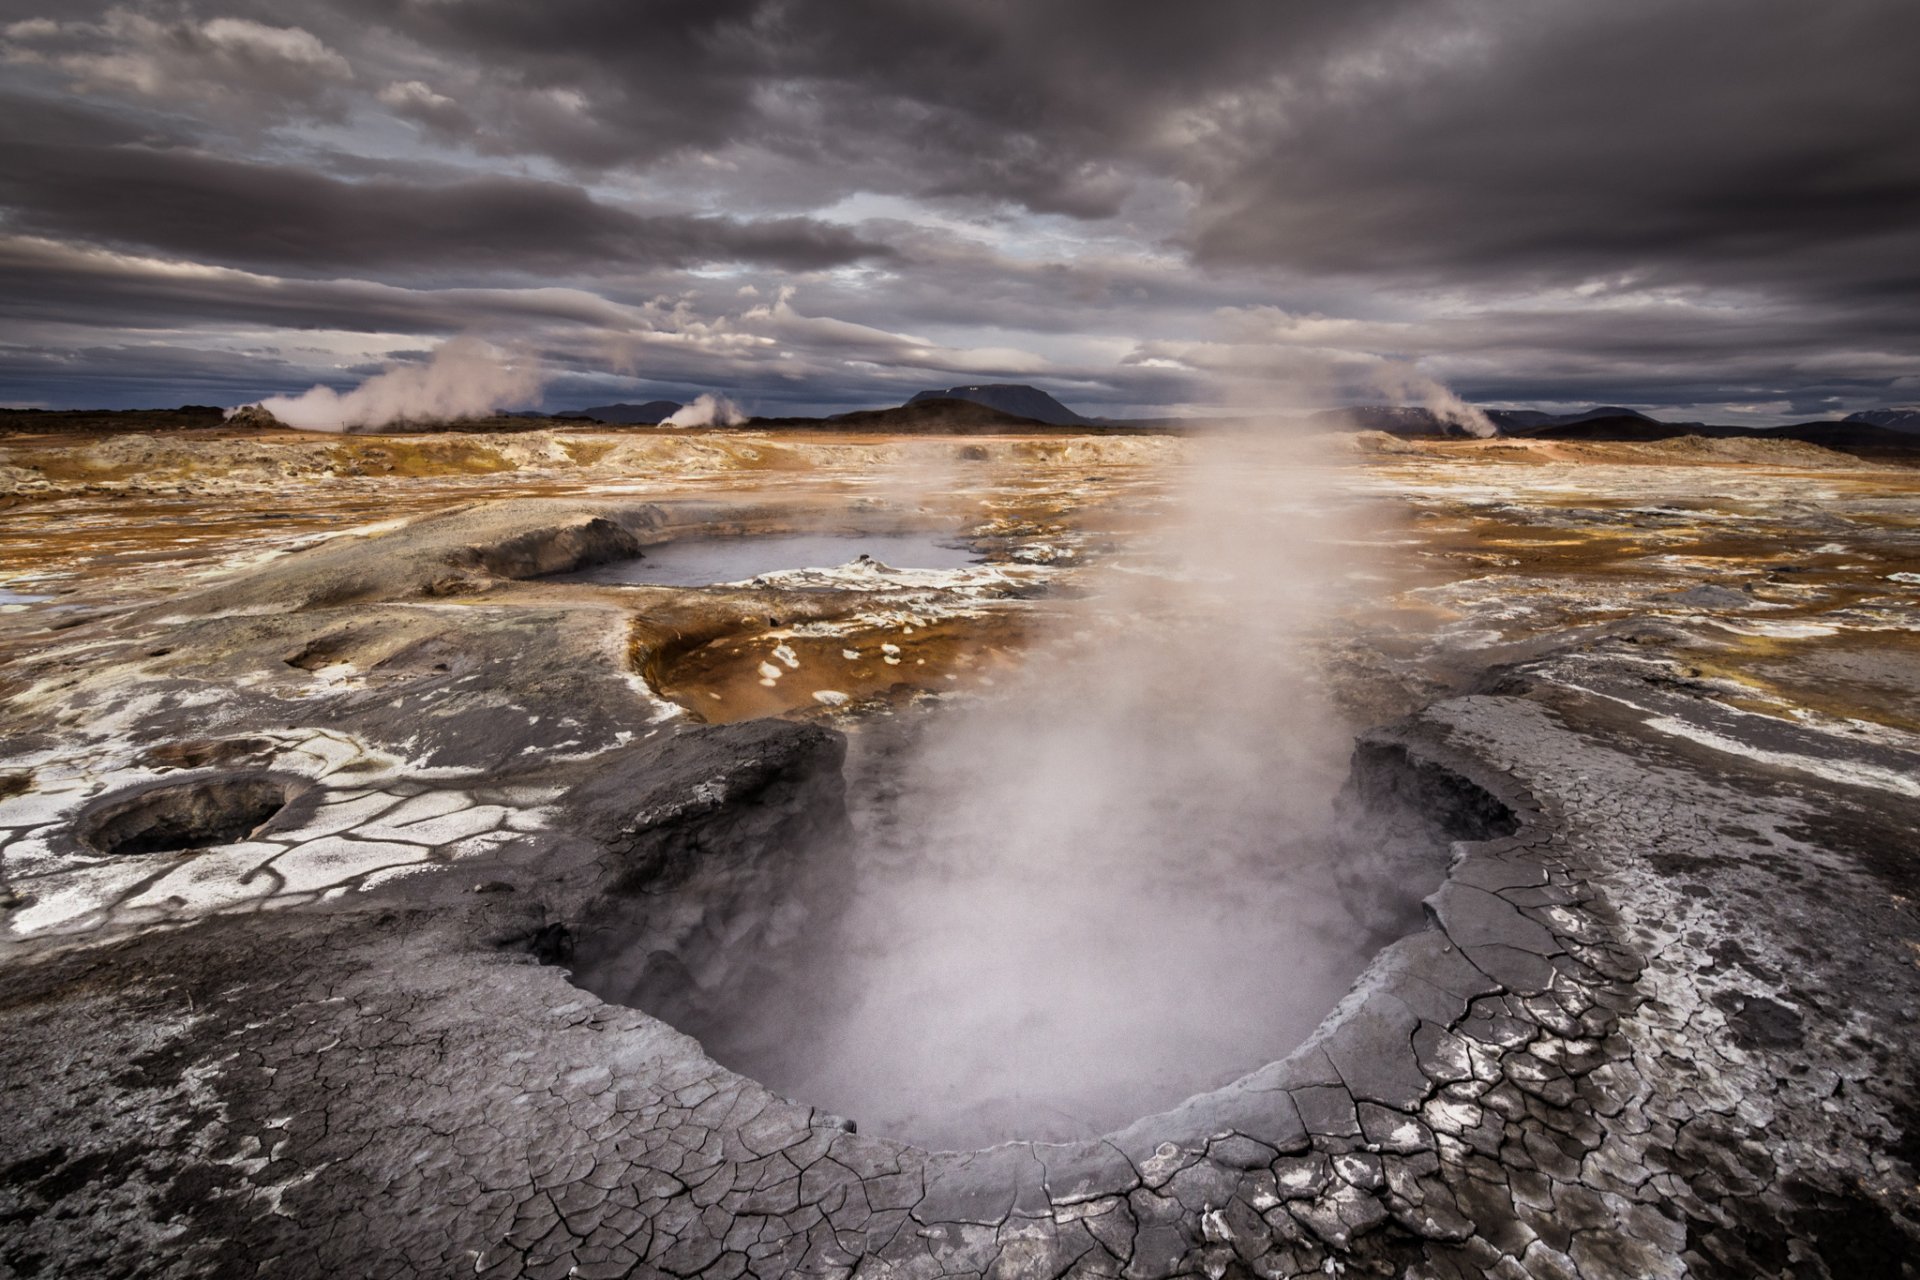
(325, 651)
(184, 816)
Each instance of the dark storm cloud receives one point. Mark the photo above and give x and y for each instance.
(61, 285)
(218, 60)
(1720, 142)
(147, 375)
(245, 212)
(1671, 202)
(650, 77)
(1039, 104)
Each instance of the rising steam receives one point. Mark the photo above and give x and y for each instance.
(707, 411)
(1109, 886)
(1407, 385)
(466, 378)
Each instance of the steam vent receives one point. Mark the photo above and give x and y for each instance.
(1150, 874)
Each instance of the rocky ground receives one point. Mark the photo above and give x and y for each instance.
(1660, 698)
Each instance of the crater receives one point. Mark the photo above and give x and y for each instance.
(182, 817)
(708, 561)
(941, 991)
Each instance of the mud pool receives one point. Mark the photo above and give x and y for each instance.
(954, 980)
(700, 562)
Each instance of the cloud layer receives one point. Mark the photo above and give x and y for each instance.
(1702, 207)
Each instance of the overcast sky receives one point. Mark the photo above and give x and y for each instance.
(1702, 208)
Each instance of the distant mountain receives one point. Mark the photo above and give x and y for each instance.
(1529, 421)
(1395, 419)
(1510, 420)
(650, 414)
(1411, 420)
(1014, 398)
(1905, 418)
(1600, 411)
(1855, 437)
(946, 415)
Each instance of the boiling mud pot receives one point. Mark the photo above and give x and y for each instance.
(968, 994)
(950, 973)
(699, 562)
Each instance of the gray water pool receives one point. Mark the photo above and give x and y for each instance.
(699, 562)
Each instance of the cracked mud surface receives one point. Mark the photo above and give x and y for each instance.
(1663, 1028)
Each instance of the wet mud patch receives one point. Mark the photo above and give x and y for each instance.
(708, 561)
(1864, 675)
(831, 666)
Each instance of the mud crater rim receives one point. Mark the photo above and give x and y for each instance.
(708, 556)
(1481, 809)
(180, 816)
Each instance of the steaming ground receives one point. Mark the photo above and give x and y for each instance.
(1692, 664)
(1109, 885)
(465, 378)
(1051, 948)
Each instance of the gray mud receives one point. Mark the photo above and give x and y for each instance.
(946, 990)
(700, 562)
(1655, 1020)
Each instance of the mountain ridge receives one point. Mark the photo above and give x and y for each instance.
(650, 414)
(1015, 398)
(1904, 418)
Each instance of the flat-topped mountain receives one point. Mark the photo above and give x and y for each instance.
(1015, 398)
(1519, 421)
(947, 415)
(937, 414)
(1600, 411)
(652, 413)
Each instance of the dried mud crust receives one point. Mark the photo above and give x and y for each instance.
(1604, 1059)
(1661, 1028)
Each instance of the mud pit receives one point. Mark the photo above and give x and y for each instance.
(701, 562)
(183, 817)
(1656, 1021)
(953, 982)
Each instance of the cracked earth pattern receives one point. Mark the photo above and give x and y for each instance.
(1663, 1029)
(369, 820)
(1556, 1079)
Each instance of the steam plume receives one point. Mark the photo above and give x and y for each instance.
(1112, 881)
(1407, 385)
(707, 410)
(466, 378)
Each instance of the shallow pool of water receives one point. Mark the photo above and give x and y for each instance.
(699, 562)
